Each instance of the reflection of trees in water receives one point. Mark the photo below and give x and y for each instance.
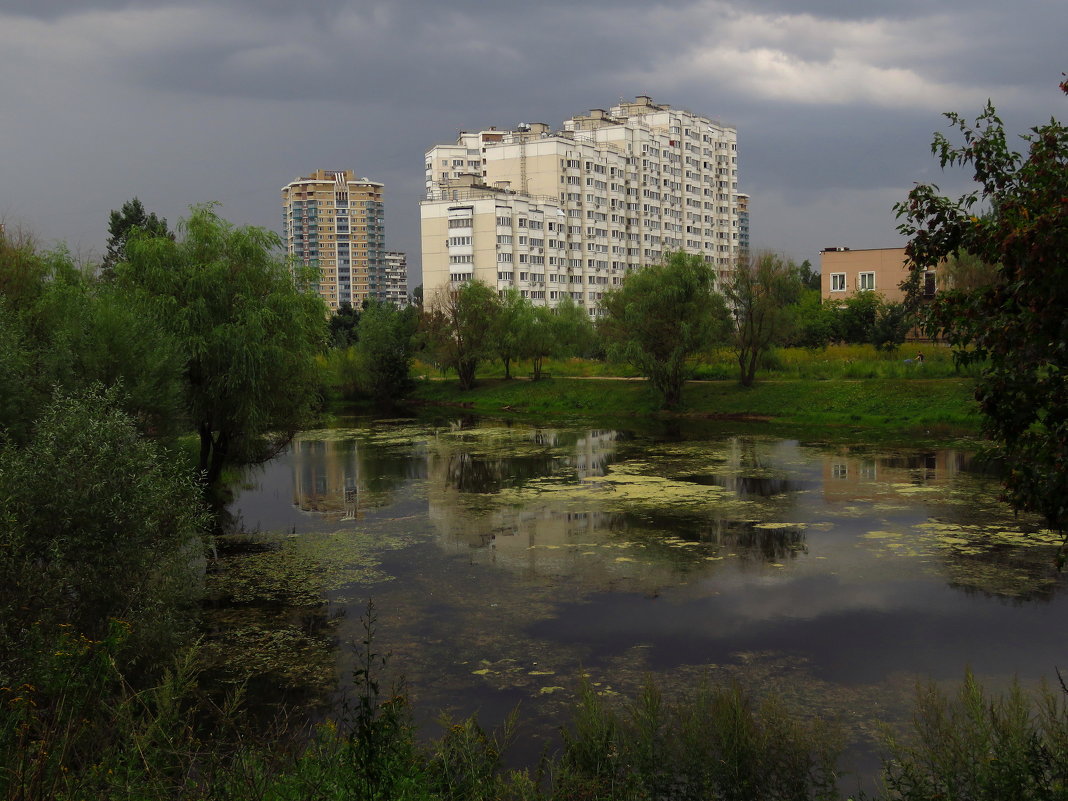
(985, 548)
(747, 541)
(465, 469)
(769, 544)
(749, 486)
(386, 471)
(1014, 575)
(467, 472)
(748, 470)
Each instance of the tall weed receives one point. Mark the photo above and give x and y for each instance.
(715, 743)
(977, 747)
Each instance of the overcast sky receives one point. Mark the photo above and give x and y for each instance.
(188, 101)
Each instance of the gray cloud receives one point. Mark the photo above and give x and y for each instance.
(189, 100)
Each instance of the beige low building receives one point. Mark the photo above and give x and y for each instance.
(574, 210)
(845, 272)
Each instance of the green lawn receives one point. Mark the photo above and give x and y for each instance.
(928, 408)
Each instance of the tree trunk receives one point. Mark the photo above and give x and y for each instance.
(220, 450)
(749, 371)
(673, 395)
(465, 370)
(205, 448)
(507, 370)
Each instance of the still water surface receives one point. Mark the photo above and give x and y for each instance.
(506, 560)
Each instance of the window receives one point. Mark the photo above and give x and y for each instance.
(928, 284)
(838, 282)
(865, 281)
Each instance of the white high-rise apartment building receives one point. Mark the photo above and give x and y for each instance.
(573, 211)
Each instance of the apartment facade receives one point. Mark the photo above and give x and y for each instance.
(845, 272)
(335, 221)
(743, 226)
(395, 288)
(574, 210)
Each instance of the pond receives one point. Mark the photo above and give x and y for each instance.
(507, 561)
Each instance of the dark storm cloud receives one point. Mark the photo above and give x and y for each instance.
(191, 100)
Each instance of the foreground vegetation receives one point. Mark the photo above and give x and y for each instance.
(85, 732)
(1014, 224)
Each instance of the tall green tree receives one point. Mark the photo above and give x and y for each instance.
(661, 318)
(810, 279)
(384, 353)
(1015, 328)
(857, 317)
(815, 322)
(512, 328)
(66, 330)
(575, 333)
(540, 338)
(343, 326)
(762, 293)
(965, 272)
(249, 329)
(121, 223)
(458, 325)
(892, 323)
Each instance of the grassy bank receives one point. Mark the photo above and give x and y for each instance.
(834, 361)
(929, 408)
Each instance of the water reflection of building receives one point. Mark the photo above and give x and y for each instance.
(326, 478)
(594, 452)
(848, 476)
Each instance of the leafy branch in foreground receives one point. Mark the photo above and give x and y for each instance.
(1014, 327)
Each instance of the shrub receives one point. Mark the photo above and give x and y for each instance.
(974, 747)
(716, 743)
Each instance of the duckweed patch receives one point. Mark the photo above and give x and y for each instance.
(282, 654)
(298, 570)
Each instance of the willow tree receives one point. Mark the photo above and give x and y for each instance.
(661, 318)
(249, 328)
(763, 292)
(458, 328)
